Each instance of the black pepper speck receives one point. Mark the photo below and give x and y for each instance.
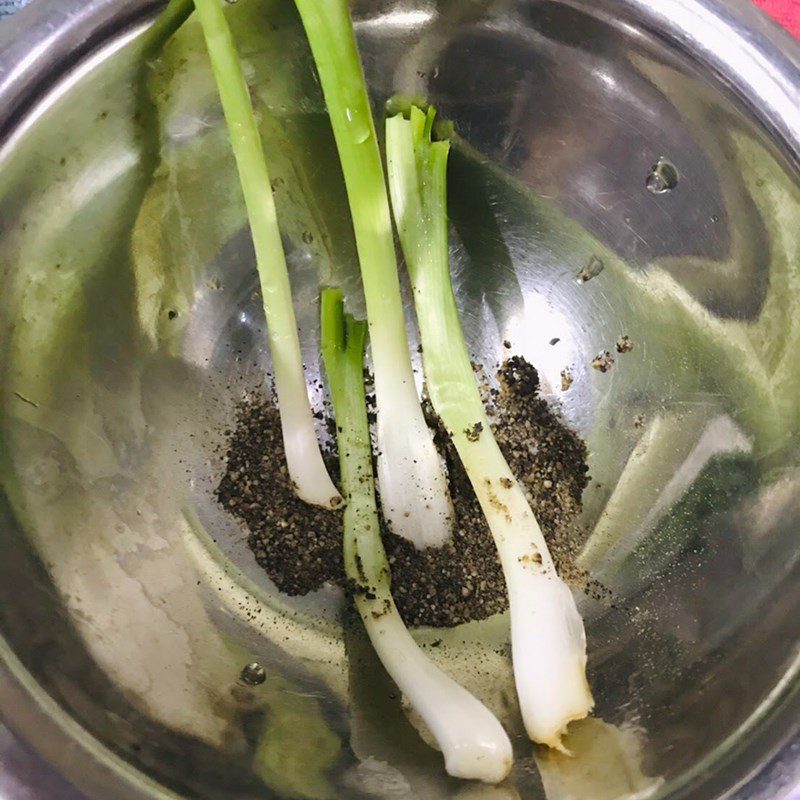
(299, 545)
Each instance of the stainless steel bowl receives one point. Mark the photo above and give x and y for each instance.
(659, 137)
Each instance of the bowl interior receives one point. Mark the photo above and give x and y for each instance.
(130, 328)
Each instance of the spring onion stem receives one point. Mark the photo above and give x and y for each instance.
(547, 634)
(303, 457)
(472, 741)
(413, 486)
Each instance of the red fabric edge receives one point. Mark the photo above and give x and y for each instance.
(786, 12)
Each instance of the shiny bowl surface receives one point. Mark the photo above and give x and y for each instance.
(657, 138)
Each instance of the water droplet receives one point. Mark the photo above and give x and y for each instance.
(663, 177)
(714, 218)
(624, 344)
(253, 674)
(358, 124)
(591, 270)
(603, 361)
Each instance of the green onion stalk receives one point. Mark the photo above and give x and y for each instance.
(303, 457)
(473, 742)
(413, 485)
(547, 633)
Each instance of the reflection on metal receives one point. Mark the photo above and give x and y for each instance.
(605, 763)
(117, 601)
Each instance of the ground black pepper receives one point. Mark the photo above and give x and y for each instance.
(299, 545)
